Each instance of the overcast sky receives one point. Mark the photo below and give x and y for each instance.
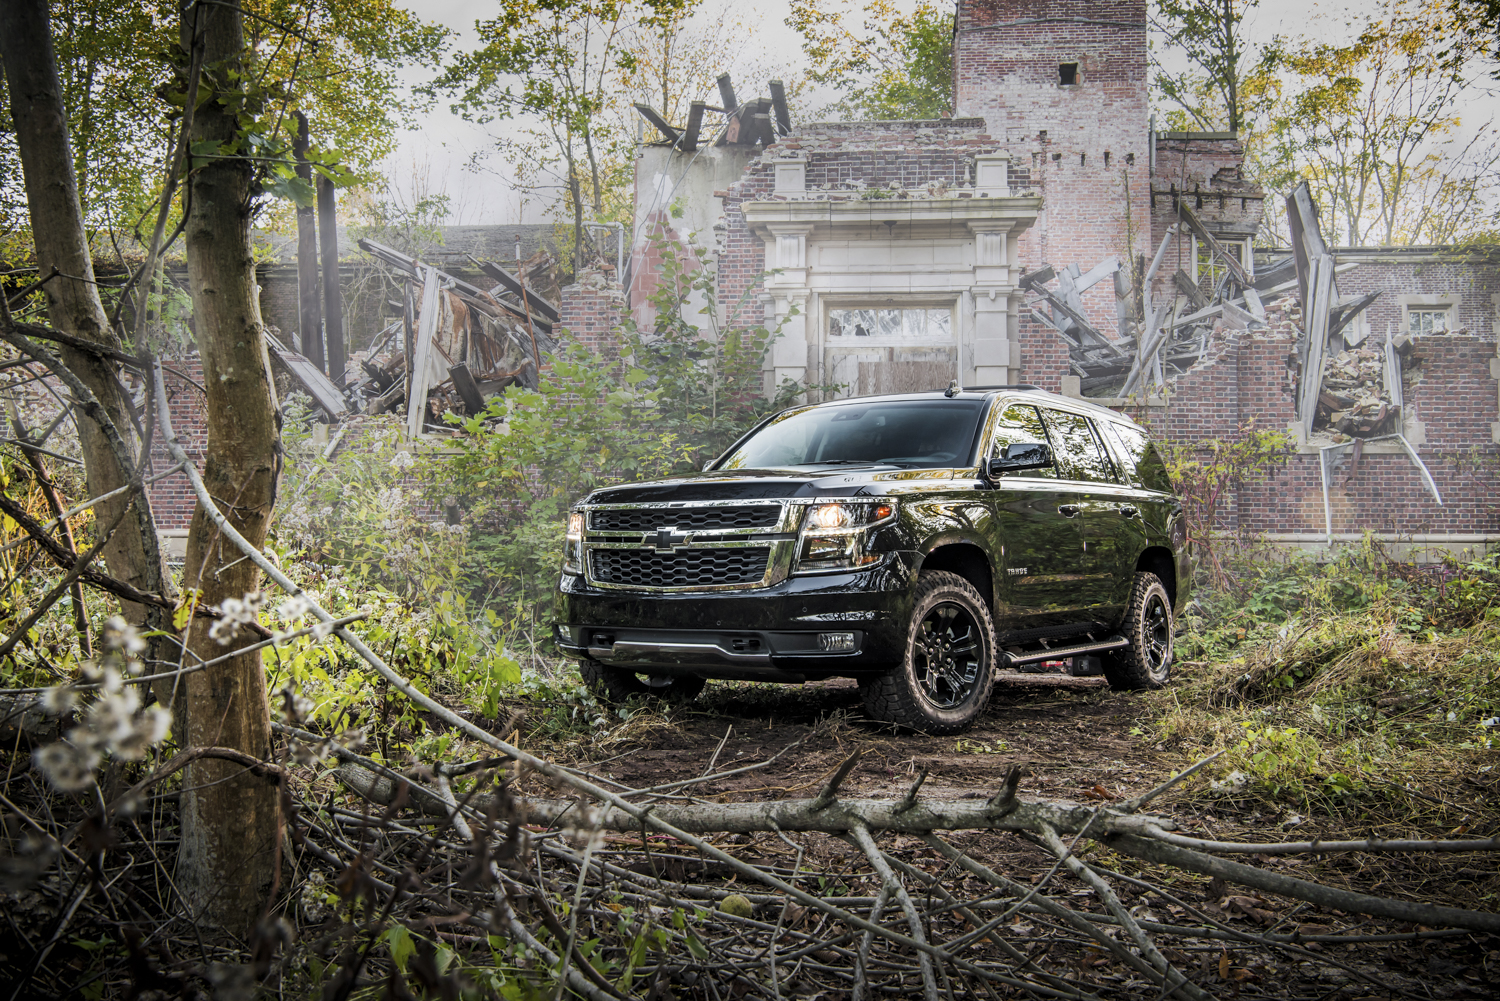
(442, 149)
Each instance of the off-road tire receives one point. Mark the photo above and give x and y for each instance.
(948, 616)
(1148, 625)
(616, 684)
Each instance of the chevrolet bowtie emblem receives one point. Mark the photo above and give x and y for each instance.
(666, 538)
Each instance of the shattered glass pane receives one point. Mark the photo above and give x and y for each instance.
(940, 324)
(896, 325)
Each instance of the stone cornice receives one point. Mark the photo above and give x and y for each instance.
(925, 217)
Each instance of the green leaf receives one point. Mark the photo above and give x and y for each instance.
(399, 940)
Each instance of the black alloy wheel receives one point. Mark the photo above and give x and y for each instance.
(947, 654)
(1149, 626)
(946, 677)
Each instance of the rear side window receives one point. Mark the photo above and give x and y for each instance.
(1079, 456)
(1140, 451)
(1020, 424)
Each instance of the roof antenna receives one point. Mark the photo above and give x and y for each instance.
(953, 389)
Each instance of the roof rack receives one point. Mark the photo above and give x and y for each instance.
(954, 388)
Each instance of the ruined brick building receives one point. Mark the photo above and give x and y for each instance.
(896, 253)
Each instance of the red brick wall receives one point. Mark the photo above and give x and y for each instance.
(1007, 73)
(172, 498)
(591, 310)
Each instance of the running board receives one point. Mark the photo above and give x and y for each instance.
(1059, 652)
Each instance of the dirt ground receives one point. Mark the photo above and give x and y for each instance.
(1075, 737)
(1072, 733)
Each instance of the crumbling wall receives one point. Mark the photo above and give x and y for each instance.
(591, 309)
(1469, 278)
(1249, 377)
(1083, 144)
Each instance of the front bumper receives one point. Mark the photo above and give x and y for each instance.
(752, 634)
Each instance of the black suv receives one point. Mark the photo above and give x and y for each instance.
(918, 543)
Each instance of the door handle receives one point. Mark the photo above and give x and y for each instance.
(1068, 510)
(1128, 510)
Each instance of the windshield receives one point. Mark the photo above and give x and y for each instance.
(929, 433)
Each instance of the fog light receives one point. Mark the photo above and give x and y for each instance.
(836, 642)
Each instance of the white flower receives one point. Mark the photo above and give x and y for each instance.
(112, 681)
(294, 608)
(390, 498)
(122, 636)
(56, 700)
(322, 631)
(67, 767)
(352, 740)
(150, 728)
(234, 613)
(403, 459)
(112, 718)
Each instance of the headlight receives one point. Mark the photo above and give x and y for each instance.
(573, 547)
(836, 535)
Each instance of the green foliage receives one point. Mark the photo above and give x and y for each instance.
(706, 381)
(1373, 126)
(124, 73)
(555, 69)
(894, 66)
(1327, 680)
(1205, 472)
(1228, 77)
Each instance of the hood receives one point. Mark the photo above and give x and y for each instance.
(760, 484)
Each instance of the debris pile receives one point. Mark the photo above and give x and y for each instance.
(455, 345)
(1354, 400)
(1157, 340)
(458, 344)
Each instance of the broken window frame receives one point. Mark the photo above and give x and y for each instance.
(1412, 313)
(1206, 265)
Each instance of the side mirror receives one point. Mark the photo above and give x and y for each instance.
(1014, 458)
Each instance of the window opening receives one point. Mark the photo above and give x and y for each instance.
(1427, 321)
(1067, 74)
(1208, 269)
(904, 325)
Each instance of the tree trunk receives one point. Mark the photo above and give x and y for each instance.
(41, 125)
(230, 822)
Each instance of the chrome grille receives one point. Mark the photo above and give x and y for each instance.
(685, 519)
(646, 568)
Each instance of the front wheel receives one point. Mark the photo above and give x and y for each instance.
(947, 673)
(616, 684)
(1147, 661)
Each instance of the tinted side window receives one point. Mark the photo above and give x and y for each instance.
(1079, 456)
(1021, 425)
(1141, 450)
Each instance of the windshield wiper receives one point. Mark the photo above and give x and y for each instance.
(841, 462)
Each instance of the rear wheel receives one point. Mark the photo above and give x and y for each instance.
(947, 673)
(616, 684)
(1147, 661)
